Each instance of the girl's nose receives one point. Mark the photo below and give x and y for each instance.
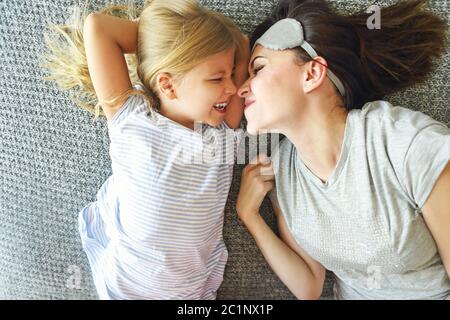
(231, 88)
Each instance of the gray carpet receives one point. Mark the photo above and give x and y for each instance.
(53, 159)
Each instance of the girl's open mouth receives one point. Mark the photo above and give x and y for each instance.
(221, 107)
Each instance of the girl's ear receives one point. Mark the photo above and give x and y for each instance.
(315, 74)
(165, 86)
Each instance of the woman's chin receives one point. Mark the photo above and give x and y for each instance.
(258, 127)
(252, 130)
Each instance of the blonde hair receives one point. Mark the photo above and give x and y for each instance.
(173, 37)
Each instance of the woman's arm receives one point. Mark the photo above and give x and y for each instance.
(235, 109)
(436, 213)
(299, 272)
(290, 265)
(106, 40)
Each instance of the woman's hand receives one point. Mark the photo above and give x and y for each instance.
(257, 180)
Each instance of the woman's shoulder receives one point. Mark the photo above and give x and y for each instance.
(391, 116)
(395, 127)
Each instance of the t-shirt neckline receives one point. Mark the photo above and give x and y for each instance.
(346, 144)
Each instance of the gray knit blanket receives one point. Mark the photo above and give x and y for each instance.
(53, 160)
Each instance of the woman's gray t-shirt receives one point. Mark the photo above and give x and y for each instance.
(365, 223)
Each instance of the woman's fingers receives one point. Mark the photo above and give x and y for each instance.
(266, 170)
(257, 180)
(264, 167)
(269, 185)
(260, 159)
(268, 177)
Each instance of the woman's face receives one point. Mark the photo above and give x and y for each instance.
(273, 92)
(204, 92)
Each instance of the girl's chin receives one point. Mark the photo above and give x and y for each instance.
(214, 122)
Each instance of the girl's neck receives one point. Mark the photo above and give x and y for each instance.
(318, 137)
(171, 114)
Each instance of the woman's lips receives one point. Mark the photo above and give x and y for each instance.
(248, 104)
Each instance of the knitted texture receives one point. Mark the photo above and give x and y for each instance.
(53, 160)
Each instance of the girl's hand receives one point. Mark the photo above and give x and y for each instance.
(257, 180)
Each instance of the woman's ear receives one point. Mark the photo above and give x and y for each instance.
(315, 74)
(165, 85)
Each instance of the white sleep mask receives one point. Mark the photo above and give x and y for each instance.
(288, 34)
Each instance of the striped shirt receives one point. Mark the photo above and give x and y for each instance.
(155, 230)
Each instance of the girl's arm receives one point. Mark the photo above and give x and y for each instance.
(106, 40)
(235, 109)
(299, 272)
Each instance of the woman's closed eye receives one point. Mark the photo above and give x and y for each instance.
(258, 68)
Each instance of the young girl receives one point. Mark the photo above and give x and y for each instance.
(155, 231)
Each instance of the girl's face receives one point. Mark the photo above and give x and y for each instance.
(273, 91)
(202, 94)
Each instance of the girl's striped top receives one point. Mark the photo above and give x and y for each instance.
(155, 230)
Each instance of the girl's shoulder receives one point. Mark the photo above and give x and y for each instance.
(134, 107)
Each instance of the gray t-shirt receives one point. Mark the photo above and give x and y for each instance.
(365, 223)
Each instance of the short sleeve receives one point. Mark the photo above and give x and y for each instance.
(425, 160)
(410, 142)
(134, 103)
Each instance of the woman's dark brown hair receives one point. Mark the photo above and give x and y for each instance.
(370, 63)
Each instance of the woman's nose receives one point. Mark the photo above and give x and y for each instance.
(244, 89)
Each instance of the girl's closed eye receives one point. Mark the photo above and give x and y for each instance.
(221, 78)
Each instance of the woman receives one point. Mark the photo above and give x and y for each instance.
(361, 186)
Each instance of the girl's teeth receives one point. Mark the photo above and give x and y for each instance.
(221, 106)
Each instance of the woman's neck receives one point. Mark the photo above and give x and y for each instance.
(318, 137)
